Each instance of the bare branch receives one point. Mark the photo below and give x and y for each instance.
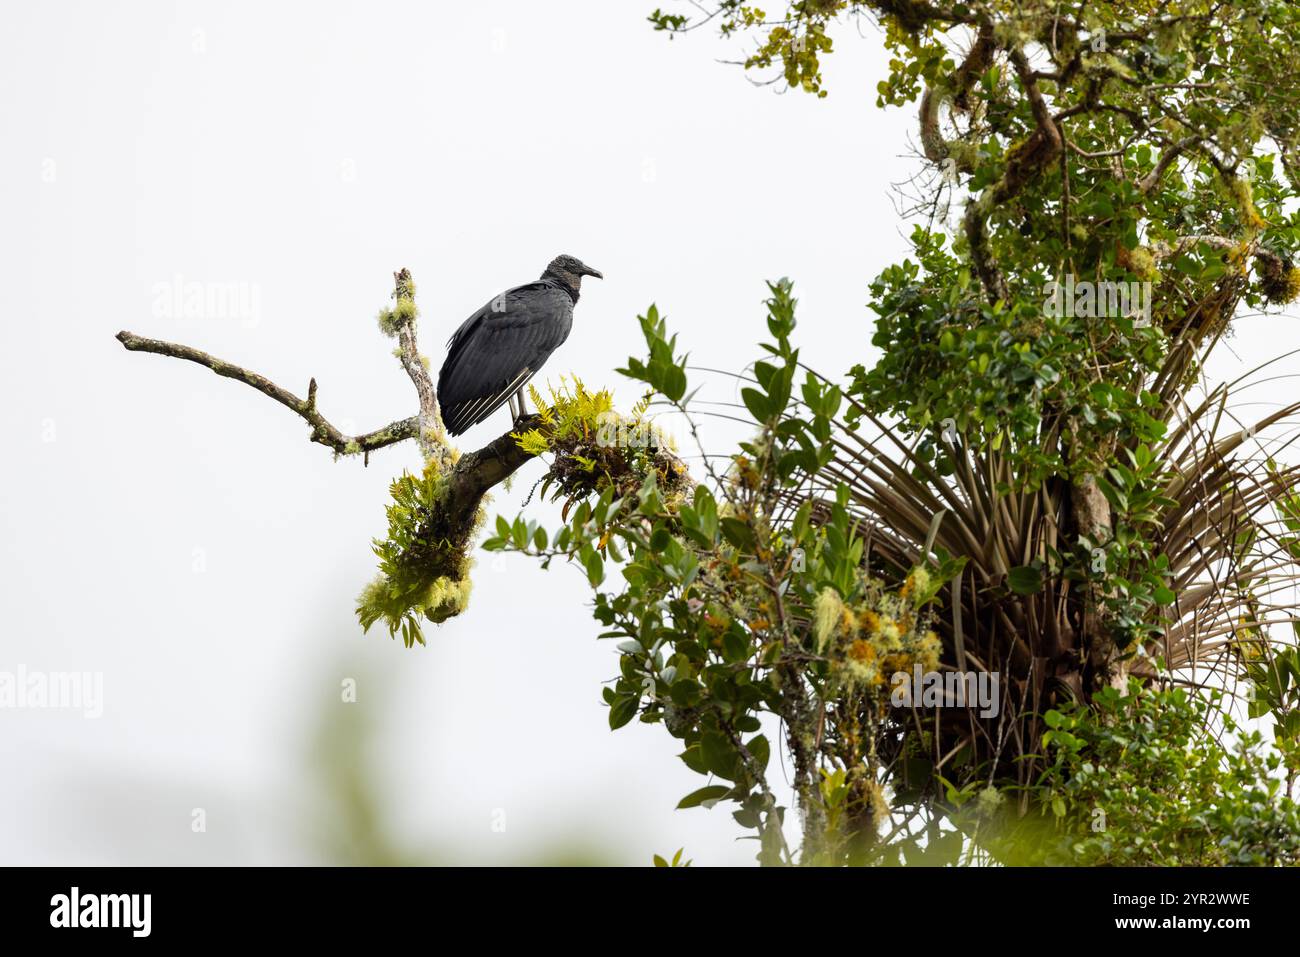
(323, 432)
(1176, 150)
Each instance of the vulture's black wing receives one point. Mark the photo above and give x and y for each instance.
(498, 349)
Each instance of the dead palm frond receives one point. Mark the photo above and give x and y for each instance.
(1225, 521)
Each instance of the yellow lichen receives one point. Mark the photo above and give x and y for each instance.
(1143, 264)
(447, 597)
(916, 585)
(988, 801)
(1244, 195)
(1292, 290)
(827, 613)
(405, 311)
(929, 649)
(1281, 283)
(861, 651)
(877, 803)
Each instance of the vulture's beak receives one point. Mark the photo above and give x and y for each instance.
(593, 272)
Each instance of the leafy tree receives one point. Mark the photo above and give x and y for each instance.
(1133, 783)
(1040, 456)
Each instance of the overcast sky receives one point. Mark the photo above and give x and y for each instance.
(177, 532)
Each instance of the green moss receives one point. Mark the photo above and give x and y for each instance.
(1291, 289)
(1279, 281)
(447, 598)
(392, 320)
(405, 310)
(1008, 33)
(1243, 196)
(828, 611)
(1143, 265)
(966, 156)
(1018, 151)
(423, 561)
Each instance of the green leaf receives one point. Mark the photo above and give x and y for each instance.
(718, 755)
(738, 534)
(694, 760)
(622, 711)
(1025, 580)
(712, 792)
(756, 403)
(595, 566)
(673, 383)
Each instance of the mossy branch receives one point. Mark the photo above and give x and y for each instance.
(424, 563)
(427, 570)
(977, 61)
(1023, 163)
(400, 322)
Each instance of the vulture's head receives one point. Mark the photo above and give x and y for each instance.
(570, 270)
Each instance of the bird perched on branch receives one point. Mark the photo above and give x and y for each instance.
(494, 353)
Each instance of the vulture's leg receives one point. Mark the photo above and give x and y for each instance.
(519, 397)
(510, 401)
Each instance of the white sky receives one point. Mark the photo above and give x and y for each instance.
(176, 531)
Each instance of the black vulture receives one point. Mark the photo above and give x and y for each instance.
(494, 353)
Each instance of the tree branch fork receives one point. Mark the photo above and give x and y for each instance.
(471, 474)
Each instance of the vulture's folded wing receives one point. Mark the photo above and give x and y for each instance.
(498, 349)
